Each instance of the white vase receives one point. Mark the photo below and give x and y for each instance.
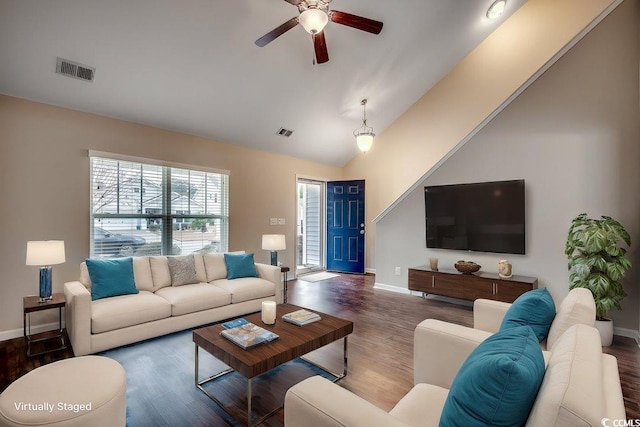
(605, 327)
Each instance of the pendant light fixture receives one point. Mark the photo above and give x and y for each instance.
(364, 134)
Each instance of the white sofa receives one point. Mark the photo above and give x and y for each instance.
(580, 387)
(160, 308)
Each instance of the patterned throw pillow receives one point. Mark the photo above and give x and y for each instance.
(183, 270)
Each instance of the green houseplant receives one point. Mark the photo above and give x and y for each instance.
(597, 261)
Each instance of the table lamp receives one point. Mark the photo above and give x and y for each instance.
(45, 254)
(273, 243)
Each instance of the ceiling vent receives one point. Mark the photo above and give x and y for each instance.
(284, 132)
(75, 70)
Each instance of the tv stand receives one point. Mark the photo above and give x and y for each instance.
(452, 283)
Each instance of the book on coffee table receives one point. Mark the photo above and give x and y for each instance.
(249, 335)
(301, 317)
(235, 322)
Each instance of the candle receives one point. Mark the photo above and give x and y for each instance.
(269, 312)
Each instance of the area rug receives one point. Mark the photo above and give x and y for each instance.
(316, 277)
(161, 389)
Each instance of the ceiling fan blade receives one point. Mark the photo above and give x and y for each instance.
(277, 32)
(320, 46)
(293, 2)
(364, 24)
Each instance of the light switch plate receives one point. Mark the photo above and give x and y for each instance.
(281, 221)
(273, 221)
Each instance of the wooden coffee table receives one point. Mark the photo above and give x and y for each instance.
(295, 341)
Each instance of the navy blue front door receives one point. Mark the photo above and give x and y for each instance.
(345, 226)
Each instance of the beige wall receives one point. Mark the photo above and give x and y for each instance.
(574, 136)
(464, 98)
(44, 188)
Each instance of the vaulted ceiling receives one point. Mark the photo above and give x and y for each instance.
(192, 66)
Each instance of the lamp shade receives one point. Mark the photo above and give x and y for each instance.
(364, 134)
(47, 252)
(313, 20)
(364, 141)
(273, 242)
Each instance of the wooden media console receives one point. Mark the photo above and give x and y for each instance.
(452, 283)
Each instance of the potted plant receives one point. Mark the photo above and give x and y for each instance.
(598, 263)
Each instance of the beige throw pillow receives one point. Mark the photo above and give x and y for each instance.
(183, 270)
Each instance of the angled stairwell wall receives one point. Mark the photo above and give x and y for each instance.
(466, 99)
(574, 136)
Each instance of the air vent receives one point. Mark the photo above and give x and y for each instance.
(284, 132)
(75, 70)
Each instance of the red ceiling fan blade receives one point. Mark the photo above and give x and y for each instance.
(277, 32)
(320, 46)
(364, 24)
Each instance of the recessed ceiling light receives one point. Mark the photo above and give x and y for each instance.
(496, 9)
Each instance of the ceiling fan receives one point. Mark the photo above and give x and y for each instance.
(314, 16)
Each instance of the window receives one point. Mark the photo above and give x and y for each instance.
(156, 209)
(310, 238)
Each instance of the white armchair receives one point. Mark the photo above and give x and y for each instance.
(446, 345)
(580, 387)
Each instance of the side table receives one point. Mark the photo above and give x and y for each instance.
(31, 304)
(284, 271)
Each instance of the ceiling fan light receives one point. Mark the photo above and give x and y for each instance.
(364, 141)
(313, 20)
(496, 9)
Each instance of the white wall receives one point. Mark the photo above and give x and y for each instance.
(574, 137)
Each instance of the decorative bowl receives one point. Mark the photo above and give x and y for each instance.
(467, 267)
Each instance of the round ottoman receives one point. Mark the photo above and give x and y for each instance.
(82, 391)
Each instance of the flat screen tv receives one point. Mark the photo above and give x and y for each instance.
(483, 217)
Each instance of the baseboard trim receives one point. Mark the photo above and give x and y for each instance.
(35, 329)
(391, 288)
(370, 270)
(629, 333)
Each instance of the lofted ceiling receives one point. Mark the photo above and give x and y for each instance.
(192, 66)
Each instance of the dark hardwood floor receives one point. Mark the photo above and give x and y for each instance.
(380, 349)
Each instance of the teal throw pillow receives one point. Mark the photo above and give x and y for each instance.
(534, 308)
(498, 383)
(240, 265)
(111, 277)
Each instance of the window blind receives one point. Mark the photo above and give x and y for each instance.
(153, 209)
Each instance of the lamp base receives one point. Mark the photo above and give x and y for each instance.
(274, 258)
(45, 284)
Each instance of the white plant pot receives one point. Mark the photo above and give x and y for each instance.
(605, 327)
